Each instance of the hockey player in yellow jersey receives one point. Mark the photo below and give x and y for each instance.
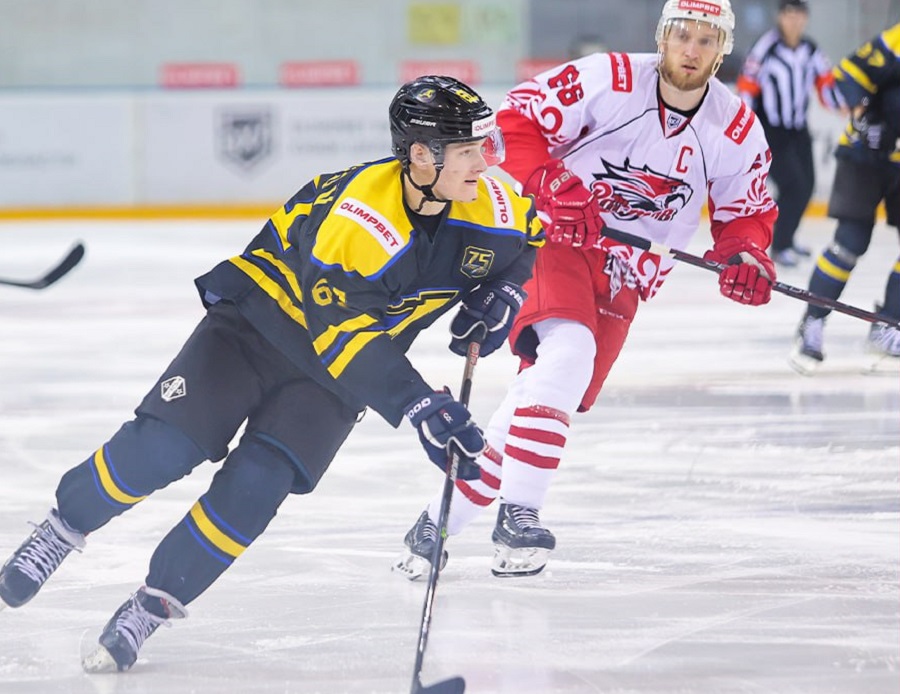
(305, 329)
(867, 176)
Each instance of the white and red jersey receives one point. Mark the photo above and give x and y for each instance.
(652, 168)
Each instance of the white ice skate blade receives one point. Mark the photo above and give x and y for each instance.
(411, 566)
(803, 364)
(99, 661)
(95, 659)
(882, 365)
(526, 561)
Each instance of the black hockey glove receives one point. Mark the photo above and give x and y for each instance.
(443, 422)
(494, 305)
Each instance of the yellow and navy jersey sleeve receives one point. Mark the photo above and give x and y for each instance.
(265, 258)
(875, 65)
(342, 281)
(870, 82)
(355, 265)
(373, 282)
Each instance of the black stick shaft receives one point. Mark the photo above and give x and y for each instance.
(443, 516)
(781, 287)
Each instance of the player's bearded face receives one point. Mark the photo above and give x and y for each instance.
(690, 53)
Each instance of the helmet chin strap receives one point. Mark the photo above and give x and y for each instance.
(426, 190)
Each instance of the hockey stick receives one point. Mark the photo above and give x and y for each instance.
(71, 260)
(787, 289)
(454, 685)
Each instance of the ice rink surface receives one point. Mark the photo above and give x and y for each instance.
(724, 525)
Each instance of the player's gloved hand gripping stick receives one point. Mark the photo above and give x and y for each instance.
(454, 685)
(445, 424)
(492, 306)
(717, 267)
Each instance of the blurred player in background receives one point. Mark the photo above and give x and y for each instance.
(779, 73)
(303, 330)
(636, 142)
(867, 174)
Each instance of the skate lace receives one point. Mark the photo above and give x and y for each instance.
(135, 624)
(886, 338)
(525, 517)
(812, 333)
(427, 532)
(43, 554)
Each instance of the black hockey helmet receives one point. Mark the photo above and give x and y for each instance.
(435, 111)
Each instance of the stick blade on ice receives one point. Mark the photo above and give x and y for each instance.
(454, 685)
(72, 258)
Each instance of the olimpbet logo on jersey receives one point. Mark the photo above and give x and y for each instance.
(377, 225)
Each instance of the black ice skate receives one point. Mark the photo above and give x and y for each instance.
(40, 555)
(420, 542)
(522, 545)
(129, 627)
(807, 354)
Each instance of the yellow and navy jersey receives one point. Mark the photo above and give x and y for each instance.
(344, 276)
(871, 76)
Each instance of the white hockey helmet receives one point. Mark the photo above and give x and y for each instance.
(718, 13)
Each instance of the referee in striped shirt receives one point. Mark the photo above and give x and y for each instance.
(776, 80)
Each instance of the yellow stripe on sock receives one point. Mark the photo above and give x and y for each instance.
(213, 534)
(109, 485)
(832, 270)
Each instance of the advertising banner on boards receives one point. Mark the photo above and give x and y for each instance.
(245, 147)
(216, 148)
(63, 150)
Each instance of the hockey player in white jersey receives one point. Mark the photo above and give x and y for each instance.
(638, 142)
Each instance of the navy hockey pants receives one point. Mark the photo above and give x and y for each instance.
(226, 375)
(857, 191)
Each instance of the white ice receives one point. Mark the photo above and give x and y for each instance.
(724, 524)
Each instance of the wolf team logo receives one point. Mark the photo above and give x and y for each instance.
(173, 388)
(477, 262)
(245, 138)
(629, 192)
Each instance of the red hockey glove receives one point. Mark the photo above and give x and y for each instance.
(749, 274)
(570, 214)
